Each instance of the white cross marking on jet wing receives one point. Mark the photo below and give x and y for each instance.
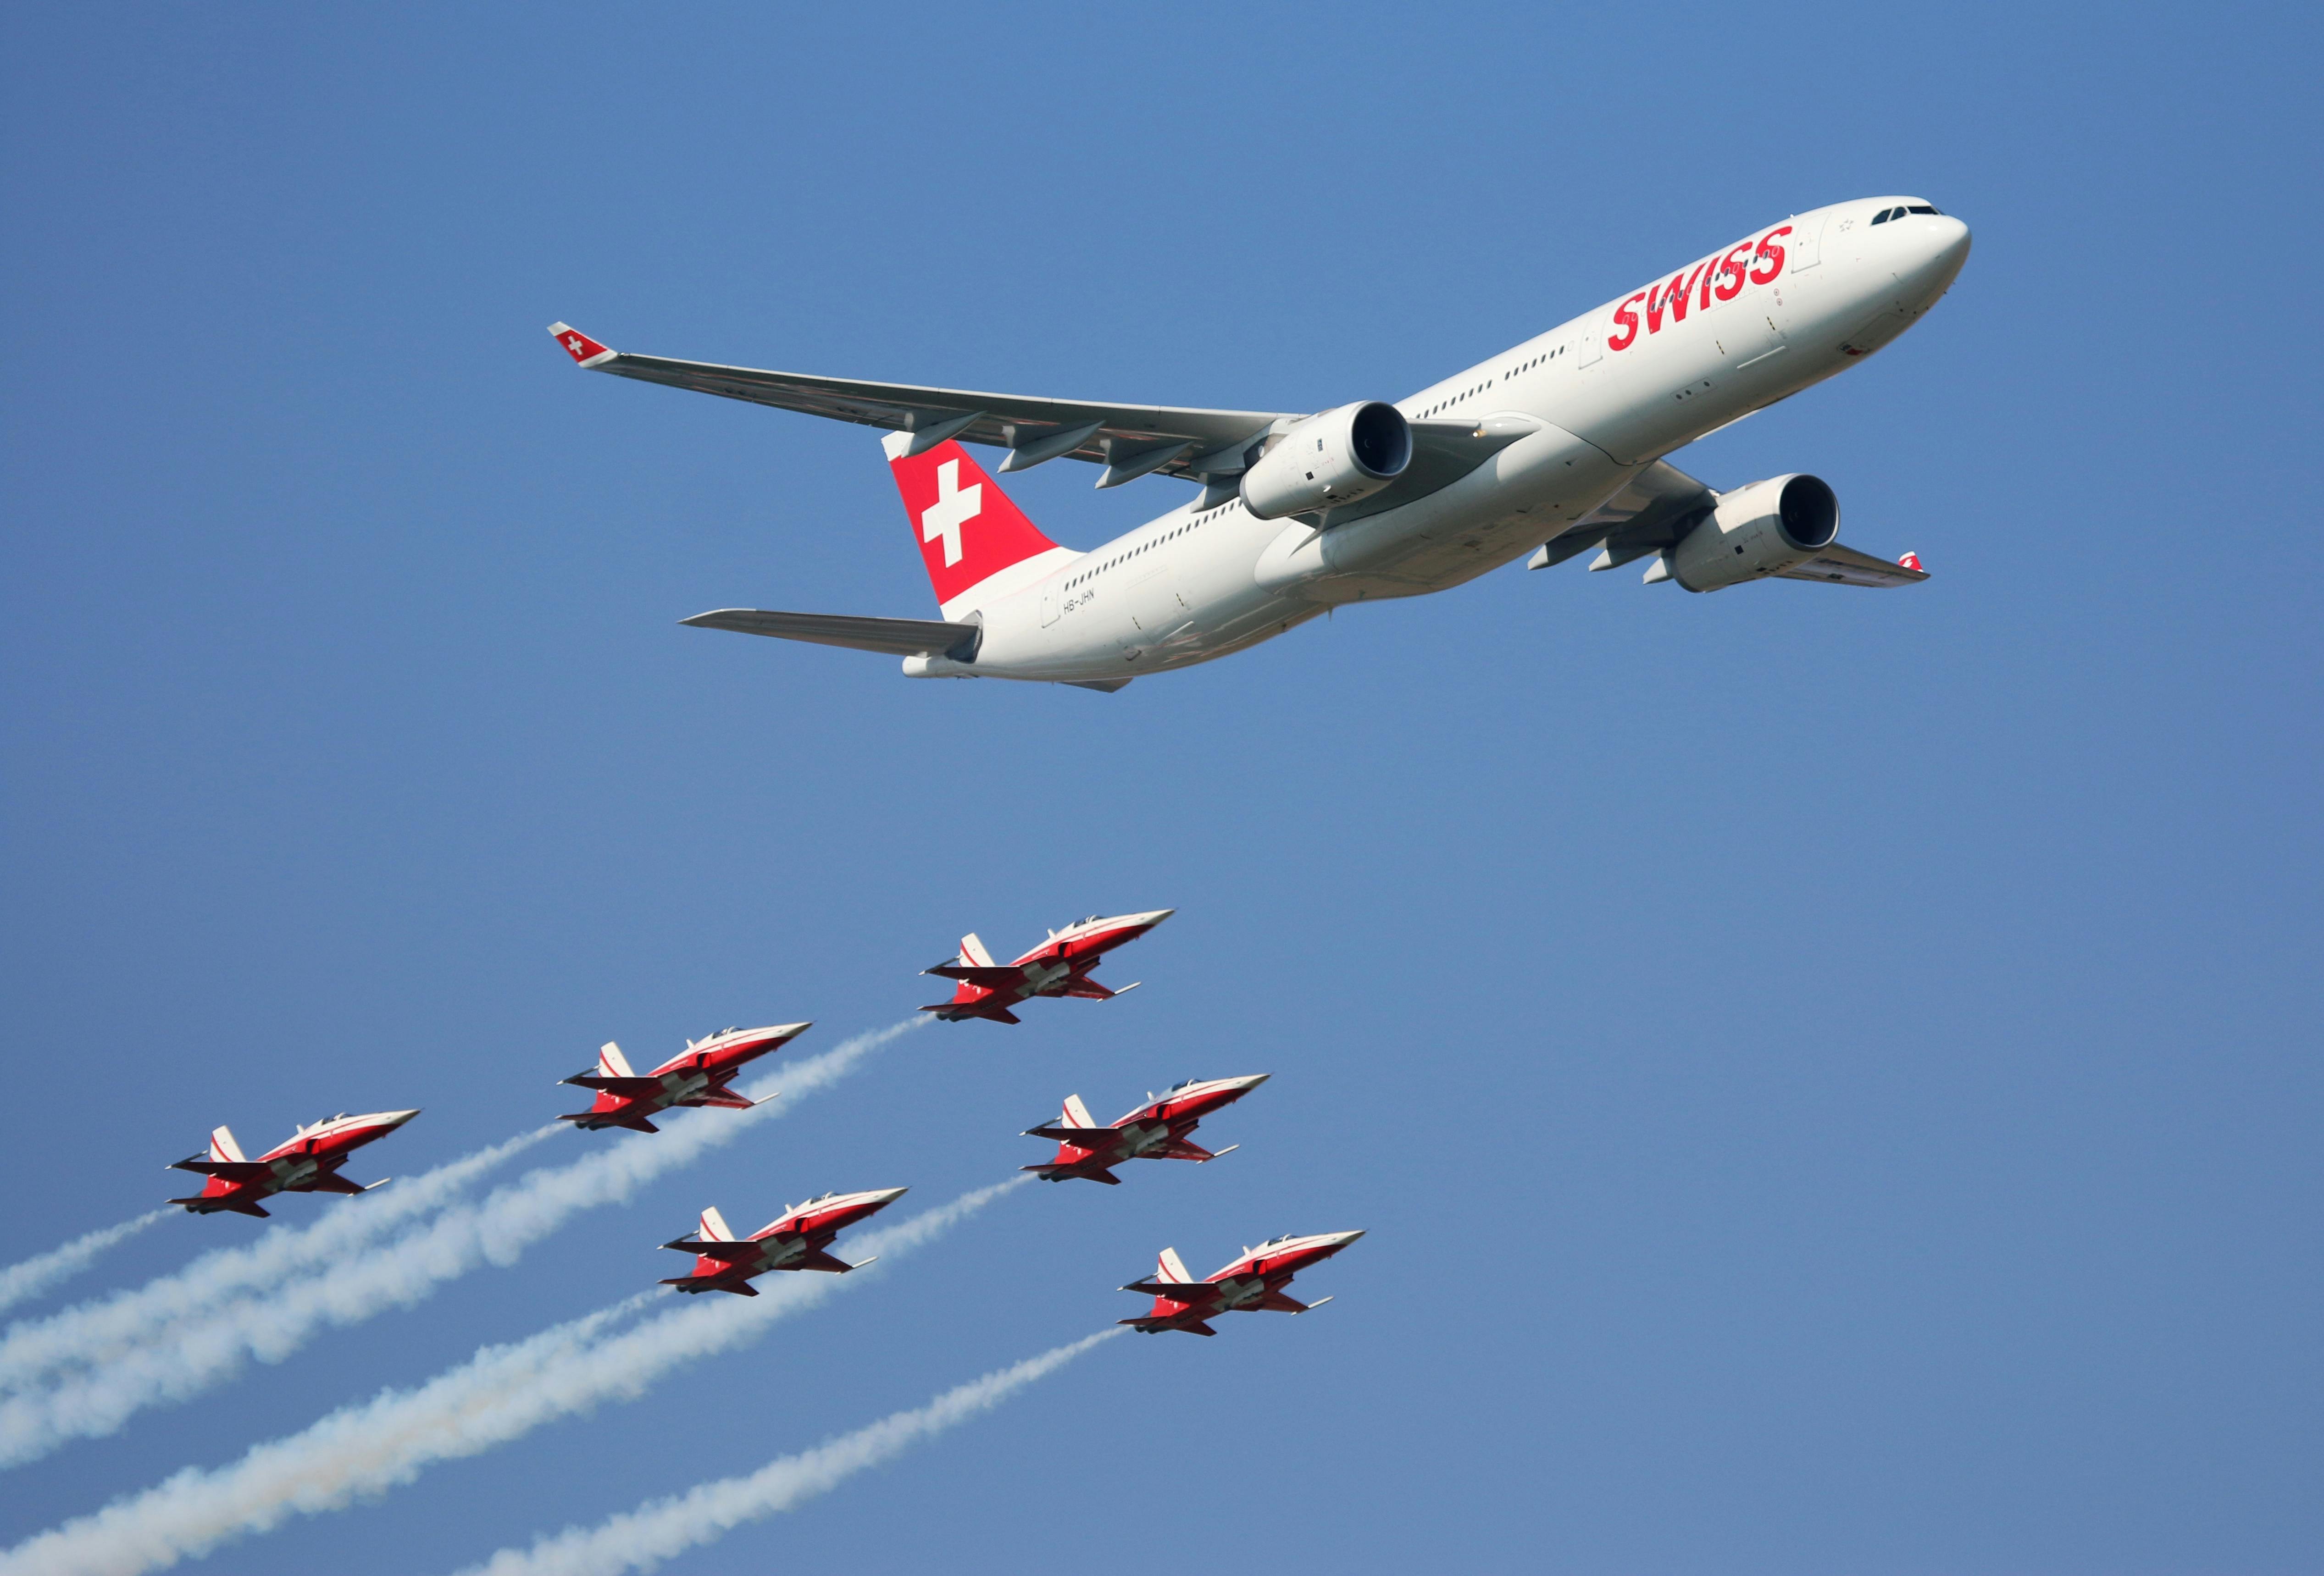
(953, 509)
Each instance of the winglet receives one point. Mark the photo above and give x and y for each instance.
(1912, 561)
(583, 349)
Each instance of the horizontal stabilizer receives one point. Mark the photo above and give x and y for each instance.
(203, 1206)
(1177, 1291)
(1152, 1326)
(1052, 1172)
(599, 1119)
(1844, 565)
(698, 1283)
(897, 637)
(986, 977)
(224, 1170)
(627, 1088)
(953, 1013)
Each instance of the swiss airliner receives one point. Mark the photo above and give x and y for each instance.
(1552, 449)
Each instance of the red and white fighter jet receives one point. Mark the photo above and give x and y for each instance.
(1252, 1283)
(309, 1162)
(701, 1074)
(796, 1241)
(1059, 966)
(1155, 1130)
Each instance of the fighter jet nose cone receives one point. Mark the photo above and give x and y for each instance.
(1157, 915)
(401, 1117)
(1253, 1081)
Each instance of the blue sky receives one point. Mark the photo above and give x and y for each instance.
(1830, 1078)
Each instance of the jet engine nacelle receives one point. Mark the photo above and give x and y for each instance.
(1755, 532)
(1329, 460)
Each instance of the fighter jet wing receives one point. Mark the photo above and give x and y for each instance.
(1080, 1137)
(819, 1259)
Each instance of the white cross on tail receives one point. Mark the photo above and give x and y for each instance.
(953, 509)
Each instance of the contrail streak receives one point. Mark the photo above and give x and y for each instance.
(90, 1334)
(499, 1395)
(209, 1345)
(661, 1529)
(37, 1275)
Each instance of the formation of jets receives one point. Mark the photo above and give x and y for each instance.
(701, 1076)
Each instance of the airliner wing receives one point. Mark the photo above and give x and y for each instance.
(1662, 504)
(1845, 566)
(1123, 437)
(1652, 511)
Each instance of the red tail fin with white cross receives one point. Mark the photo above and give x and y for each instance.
(977, 545)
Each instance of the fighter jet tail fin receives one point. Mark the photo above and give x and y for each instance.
(222, 1145)
(973, 953)
(713, 1226)
(611, 1063)
(1077, 1114)
(1172, 1268)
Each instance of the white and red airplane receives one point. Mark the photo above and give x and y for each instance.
(1252, 1283)
(796, 1241)
(1059, 966)
(1157, 1130)
(701, 1074)
(1552, 449)
(307, 1161)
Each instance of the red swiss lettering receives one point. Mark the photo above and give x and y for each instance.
(1770, 256)
(1629, 322)
(1730, 273)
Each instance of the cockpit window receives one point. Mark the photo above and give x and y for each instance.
(1881, 217)
(1920, 208)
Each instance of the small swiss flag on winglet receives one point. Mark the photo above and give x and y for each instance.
(1912, 561)
(583, 349)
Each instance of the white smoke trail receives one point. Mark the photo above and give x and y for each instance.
(498, 1395)
(661, 1529)
(92, 1332)
(38, 1274)
(207, 1347)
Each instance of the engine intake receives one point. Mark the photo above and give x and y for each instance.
(1329, 460)
(1755, 532)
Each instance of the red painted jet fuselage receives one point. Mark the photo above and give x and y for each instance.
(701, 1074)
(1157, 1130)
(1059, 966)
(308, 1163)
(1252, 1283)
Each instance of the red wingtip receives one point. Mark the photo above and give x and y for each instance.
(584, 350)
(1912, 561)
